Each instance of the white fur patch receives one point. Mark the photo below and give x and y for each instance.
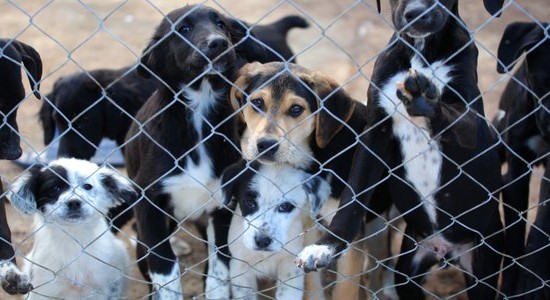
(421, 155)
(167, 286)
(315, 255)
(217, 282)
(201, 101)
(500, 115)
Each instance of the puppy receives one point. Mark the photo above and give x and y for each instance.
(173, 150)
(266, 228)
(74, 253)
(523, 124)
(15, 54)
(294, 116)
(426, 143)
(89, 106)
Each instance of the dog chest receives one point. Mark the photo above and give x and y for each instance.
(422, 158)
(201, 101)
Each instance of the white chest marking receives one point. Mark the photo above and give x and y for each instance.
(201, 101)
(421, 155)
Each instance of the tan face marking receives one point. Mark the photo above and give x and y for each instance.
(288, 121)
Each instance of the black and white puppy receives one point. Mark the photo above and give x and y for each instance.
(89, 106)
(74, 254)
(426, 144)
(267, 228)
(13, 55)
(185, 134)
(523, 122)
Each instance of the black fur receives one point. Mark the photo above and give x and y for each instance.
(526, 142)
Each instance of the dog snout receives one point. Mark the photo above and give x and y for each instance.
(216, 46)
(74, 205)
(417, 15)
(267, 147)
(262, 241)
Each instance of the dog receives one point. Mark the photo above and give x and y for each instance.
(266, 226)
(89, 106)
(173, 149)
(14, 55)
(419, 151)
(523, 123)
(305, 119)
(74, 253)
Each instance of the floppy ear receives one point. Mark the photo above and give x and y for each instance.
(318, 192)
(153, 56)
(236, 98)
(33, 64)
(230, 180)
(22, 192)
(493, 6)
(517, 38)
(335, 107)
(118, 187)
(248, 46)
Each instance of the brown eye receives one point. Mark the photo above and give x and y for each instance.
(251, 204)
(87, 186)
(258, 103)
(295, 110)
(221, 25)
(185, 29)
(285, 207)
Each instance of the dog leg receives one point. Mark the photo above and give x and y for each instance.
(290, 283)
(244, 283)
(349, 269)
(217, 280)
(162, 264)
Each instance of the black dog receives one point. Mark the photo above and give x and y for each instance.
(523, 121)
(425, 145)
(13, 55)
(89, 106)
(186, 134)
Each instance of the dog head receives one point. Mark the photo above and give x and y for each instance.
(271, 199)
(287, 110)
(70, 191)
(530, 38)
(192, 41)
(421, 18)
(12, 92)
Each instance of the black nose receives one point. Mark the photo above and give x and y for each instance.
(262, 241)
(417, 15)
(74, 204)
(216, 46)
(267, 147)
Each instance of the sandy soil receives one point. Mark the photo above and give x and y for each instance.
(343, 40)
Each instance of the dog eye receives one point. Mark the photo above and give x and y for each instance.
(295, 110)
(286, 207)
(185, 28)
(221, 25)
(87, 186)
(251, 204)
(56, 189)
(258, 103)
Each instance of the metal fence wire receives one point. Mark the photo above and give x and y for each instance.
(217, 177)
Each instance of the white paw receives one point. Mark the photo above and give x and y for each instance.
(13, 280)
(314, 257)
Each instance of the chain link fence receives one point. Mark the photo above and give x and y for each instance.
(79, 40)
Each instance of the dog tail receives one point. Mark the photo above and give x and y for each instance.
(284, 25)
(33, 63)
(46, 118)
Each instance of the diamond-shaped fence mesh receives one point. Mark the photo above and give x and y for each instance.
(274, 149)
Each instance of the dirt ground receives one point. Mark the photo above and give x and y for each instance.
(343, 40)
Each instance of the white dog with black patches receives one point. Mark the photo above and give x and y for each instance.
(75, 254)
(267, 228)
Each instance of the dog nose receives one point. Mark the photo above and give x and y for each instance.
(74, 204)
(416, 15)
(216, 46)
(262, 241)
(267, 146)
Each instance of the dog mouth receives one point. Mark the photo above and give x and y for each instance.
(418, 35)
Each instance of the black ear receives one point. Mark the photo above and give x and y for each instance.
(247, 44)
(22, 192)
(335, 106)
(119, 187)
(231, 178)
(493, 6)
(153, 57)
(46, 118)
(33, 64)
(517, 38)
